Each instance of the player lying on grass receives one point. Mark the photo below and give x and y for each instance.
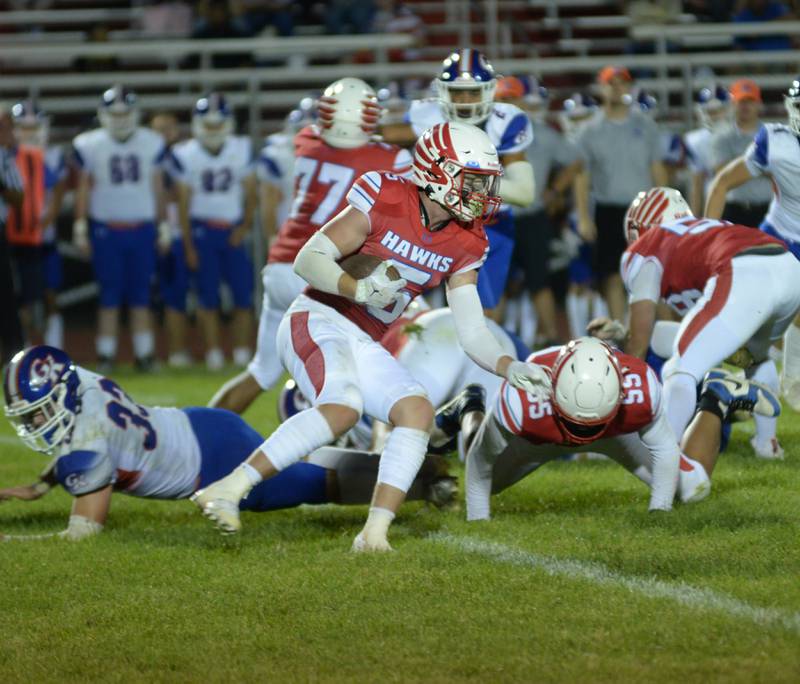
(734, 286)
(607, 402)
(104, 442)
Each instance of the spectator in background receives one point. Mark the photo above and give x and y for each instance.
(549, 152)
(98, 63)
(167, 18)
(11, 195)
(747, 204)
(622, 152)
(349, 16)
(217, 22)
(396, 17)
(764, 11)
(253, 16)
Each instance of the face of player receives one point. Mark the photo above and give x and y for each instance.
(463, 99)
(747, 112)
(479, 192)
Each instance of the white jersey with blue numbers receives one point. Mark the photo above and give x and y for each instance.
(141, 451)
(122, 174)
(508, 127)
(775, 152)
(276, 167)
(215, 179)
(55, 170)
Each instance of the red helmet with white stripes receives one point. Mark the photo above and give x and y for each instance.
(587, 389)
(348, 113)
(655, 207)
(457, 166)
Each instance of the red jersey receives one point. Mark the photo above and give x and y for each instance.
(522, 414)
(322, 176)
(686, 255)
(423, 257)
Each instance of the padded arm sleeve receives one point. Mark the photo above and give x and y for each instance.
(517, 186)
(316, 263)
(473, 334)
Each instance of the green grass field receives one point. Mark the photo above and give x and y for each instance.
(571, 581)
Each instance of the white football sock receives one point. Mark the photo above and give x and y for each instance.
(577, 313)
(767, 374)
(143, 344)
(791, 352)
(402, 457)
(297, 438)
(241, 356)
(54, 332)
(106, 346)
(680, 398)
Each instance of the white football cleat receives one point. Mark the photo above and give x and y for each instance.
(219, 506)
(360, 545)
(790, 389)
(770, 450)
(694, 484)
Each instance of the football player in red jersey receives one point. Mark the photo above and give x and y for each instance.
(734, 286)
(608, 402)
(430, 229)
(329, 156)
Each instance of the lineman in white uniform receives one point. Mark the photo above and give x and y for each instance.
(116, 206)
(775, 153)
(217, 197)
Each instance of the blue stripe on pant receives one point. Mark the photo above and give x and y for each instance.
(794, 247)
(226, 441)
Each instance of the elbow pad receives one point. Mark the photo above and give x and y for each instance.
(316, 263)
(473, 334)
(517, 186)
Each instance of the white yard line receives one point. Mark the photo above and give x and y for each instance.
(685, 594)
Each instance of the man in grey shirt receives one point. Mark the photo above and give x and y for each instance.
(535, 229)
(622, 152)
(11, 194)
(747, 204)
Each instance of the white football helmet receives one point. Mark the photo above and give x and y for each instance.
(792, 102)
(348, 113)
(587, 389)
(31, 124)
(212, 121)
(457, 166)
(655, 207)
(118, 112)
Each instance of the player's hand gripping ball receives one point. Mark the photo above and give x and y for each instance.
(379, 282)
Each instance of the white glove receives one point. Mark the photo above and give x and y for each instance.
(377, 289)
(608, 330)
(80, 234)
(164, 235)
(529, 377)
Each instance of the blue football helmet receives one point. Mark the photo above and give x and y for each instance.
(792, 102)
(576, 109)
(291, 401)
(212, 121)
(118, 112)
(712, 106)
(536, 98)
(645, 102)
(301, 116)
(41, 396)
(466, 70)
(31, 124)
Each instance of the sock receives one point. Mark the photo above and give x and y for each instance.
(252, 474)
(378, 521)
(54, 332)
(241, 356)
(143, 345)
(402, 457)
(680, 397)
(599, 307)
(528, 322)
(106, 346)
(301, 483)
(767, 374)
(298, 437)
(236, 484)
(791, 352)
(577, 313)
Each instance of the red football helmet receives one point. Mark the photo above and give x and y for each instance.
(655, 207)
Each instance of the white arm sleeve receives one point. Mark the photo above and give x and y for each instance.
(316, 263)
(517, 186)
(665, 454)
(473, 334)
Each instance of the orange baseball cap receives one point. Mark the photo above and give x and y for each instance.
(745, 89)
(509, 87)
(611, 71)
